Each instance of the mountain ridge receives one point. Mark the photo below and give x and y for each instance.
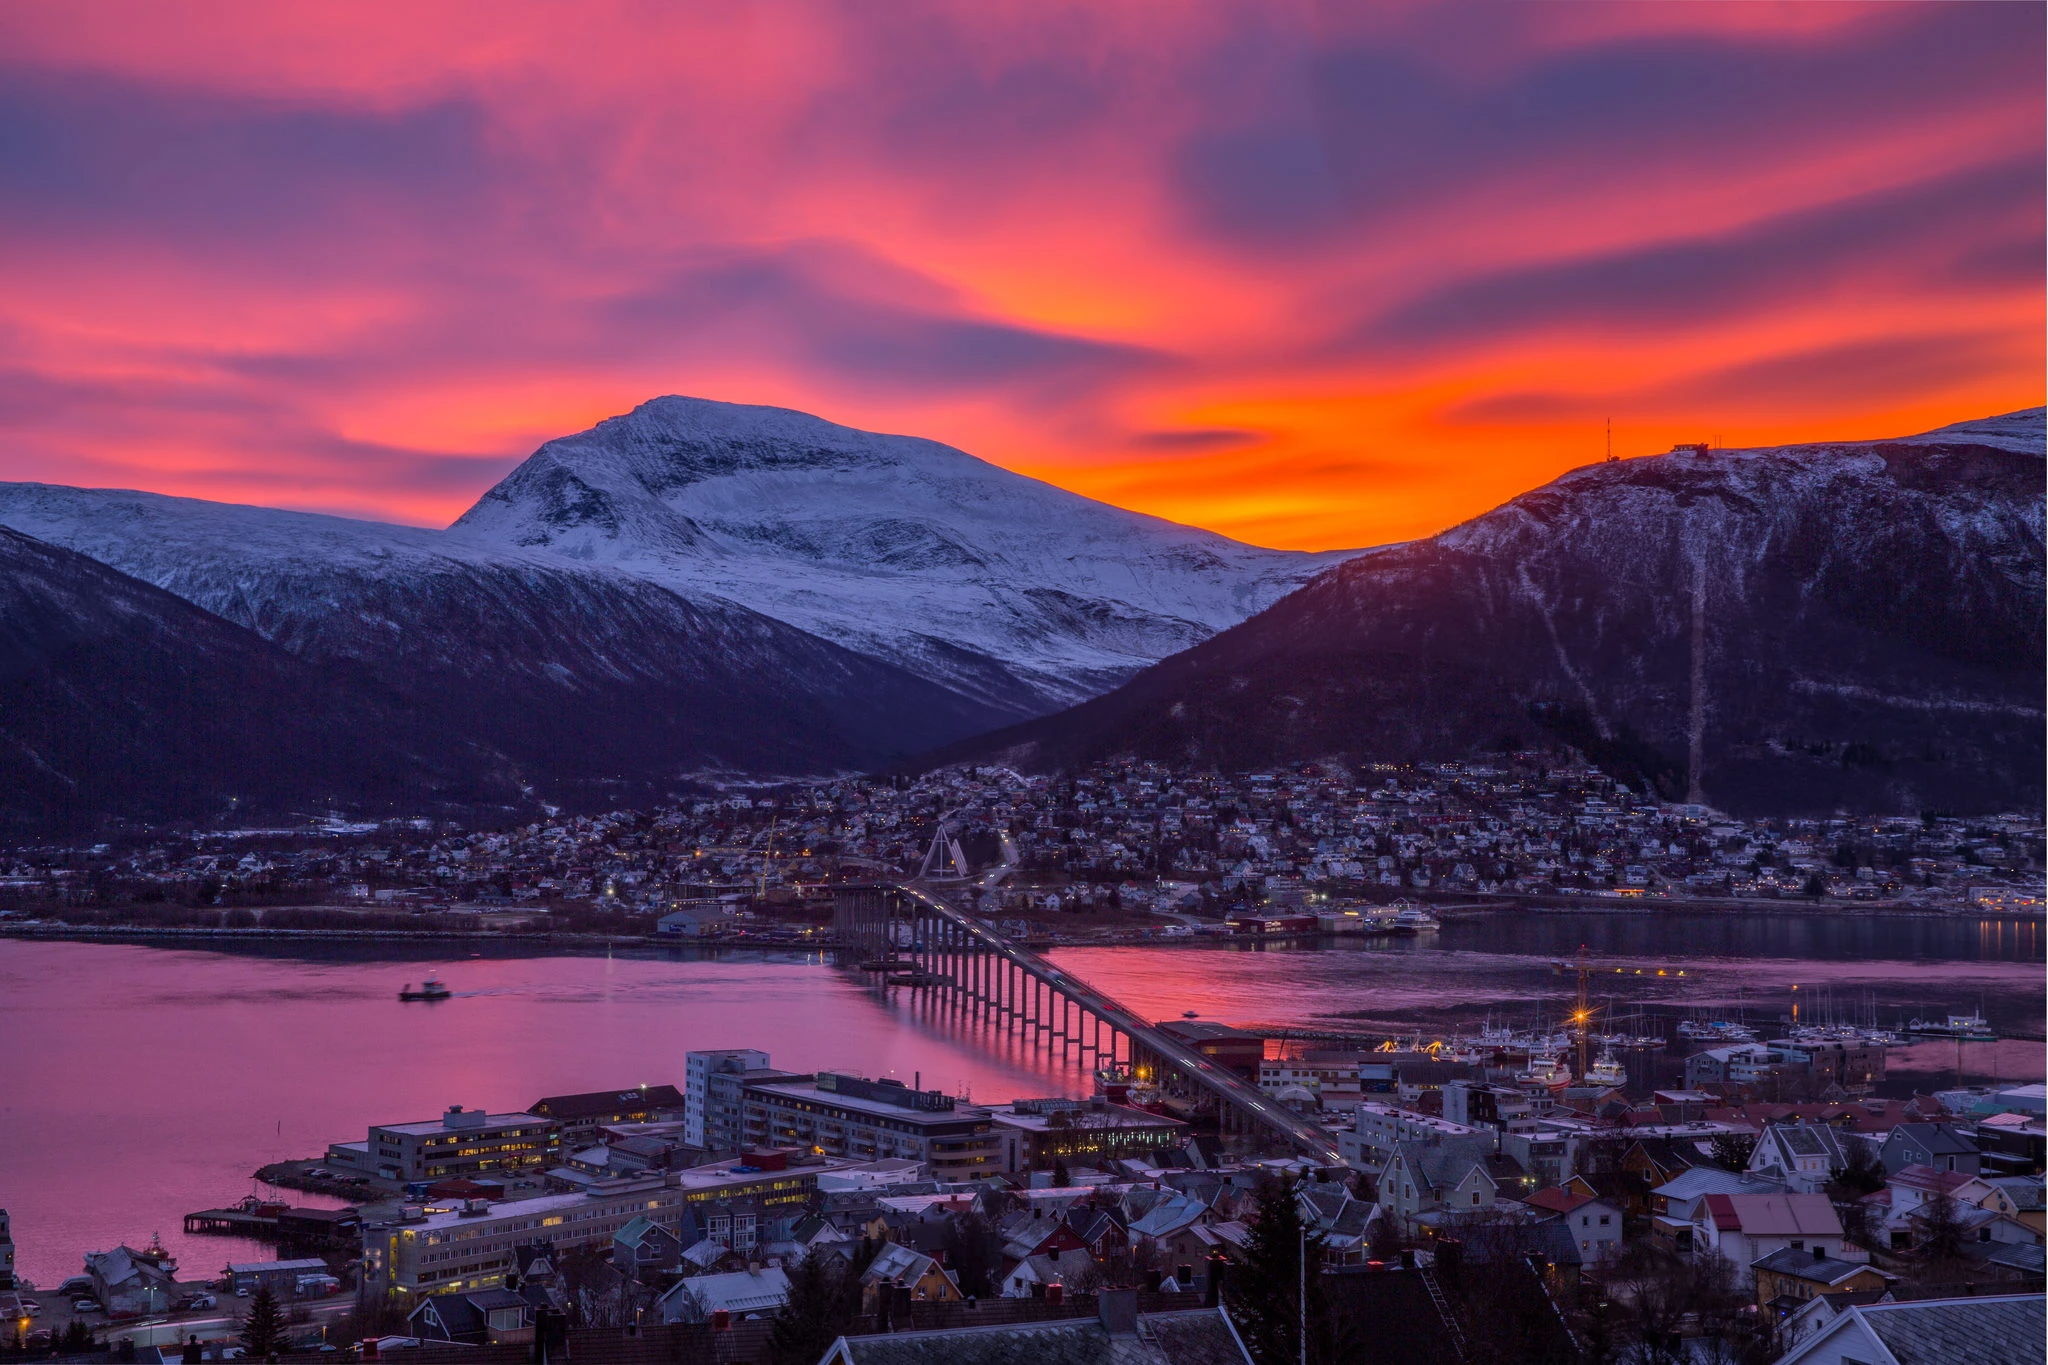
(1868, 629)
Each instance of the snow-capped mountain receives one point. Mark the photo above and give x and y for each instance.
(693, 589)
(1009, 590)
(1850, 625)
(565, 678)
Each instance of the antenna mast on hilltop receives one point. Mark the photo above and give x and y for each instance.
(1610, 440)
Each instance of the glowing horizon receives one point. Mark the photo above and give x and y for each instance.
(1308, 278)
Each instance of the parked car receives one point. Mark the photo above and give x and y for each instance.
(32, 1308)
(84, 1306)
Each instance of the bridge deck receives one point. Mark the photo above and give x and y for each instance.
(1313, 1139)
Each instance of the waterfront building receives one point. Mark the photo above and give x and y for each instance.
(472, 1247)
(851, 1116)
(700, 1125)
(6, 1253)
(462, 1143)
(128, 1283)
(1331, 1075)
(580, 1116)
(1036, 1133)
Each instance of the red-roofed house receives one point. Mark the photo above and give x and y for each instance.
(1748, 1227)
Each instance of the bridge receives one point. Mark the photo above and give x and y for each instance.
(963, 965)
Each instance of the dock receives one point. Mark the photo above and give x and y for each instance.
(231, 1223)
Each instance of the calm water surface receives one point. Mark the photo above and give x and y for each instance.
(140, 1083)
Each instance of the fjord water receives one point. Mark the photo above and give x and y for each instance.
(140, 1083)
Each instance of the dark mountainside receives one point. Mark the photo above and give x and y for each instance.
(1869, 621)
(119, 698)
(459, 690)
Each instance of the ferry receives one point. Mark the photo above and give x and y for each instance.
(430, 989)
(1414, 920)
(1606, 1071)
(1967, 1028)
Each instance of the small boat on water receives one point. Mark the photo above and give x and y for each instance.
(430, 989)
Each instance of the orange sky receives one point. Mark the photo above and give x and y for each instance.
(1309, 275)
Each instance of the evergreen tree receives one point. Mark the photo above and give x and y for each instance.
(1940, 1235)
(818, 1311)
(1731, 1151)
(263, 1328)
(1265, 1292)
(974, 1253)
(1060, 1177)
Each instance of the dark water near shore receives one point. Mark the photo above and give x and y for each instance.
(140, 1083)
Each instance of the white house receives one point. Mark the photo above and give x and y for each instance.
(1748, 1227)
(1593, 1223)
(1804, 1156)
(741, 1293)
(2001, 1330)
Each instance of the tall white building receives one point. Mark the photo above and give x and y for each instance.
(698, 1069)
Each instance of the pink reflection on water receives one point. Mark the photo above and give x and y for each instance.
(140, 1083)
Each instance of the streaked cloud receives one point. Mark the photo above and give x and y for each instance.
(1309, 274)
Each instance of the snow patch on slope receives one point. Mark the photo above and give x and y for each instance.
(893, 545)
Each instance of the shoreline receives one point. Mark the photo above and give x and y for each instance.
(173, 934)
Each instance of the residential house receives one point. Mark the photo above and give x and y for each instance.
(1594, 1223)
(1912, 1188)
(1675, 1205)
(1344, 1221)
(1801, 1323)
(2001, 1330)
(900, 1267)
(1118, 1332)
(1801, 1156)
(481, 1317)
(1027, 1278)
(2025, 1194)
(644, 1249)
(1650, 1162)
(1943, 1146)
(1424, 1181)
(1745, 1228)
(1786, 1279)
(740, 1293)
(1170, 1215)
